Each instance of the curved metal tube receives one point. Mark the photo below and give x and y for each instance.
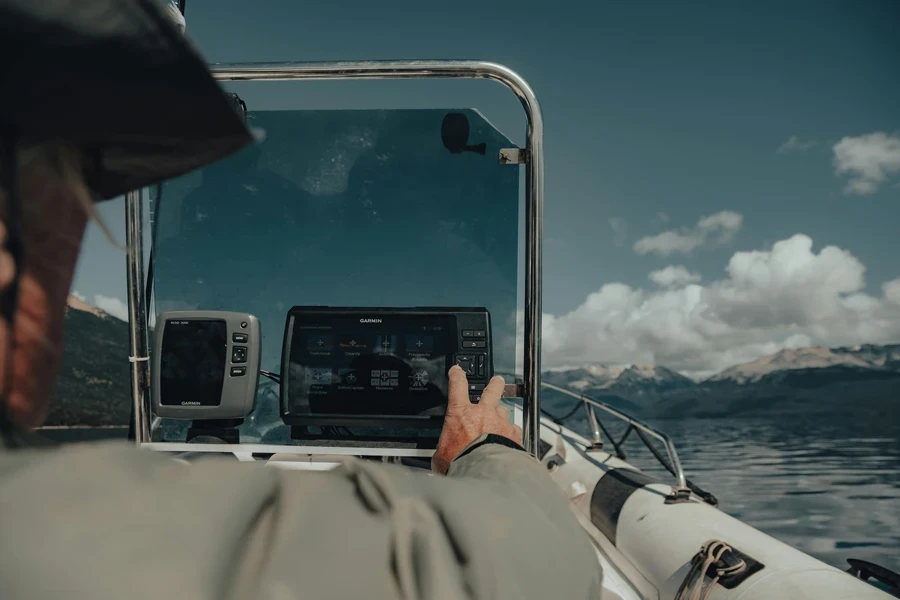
(534, 185)
(652, 431)
(137, 316)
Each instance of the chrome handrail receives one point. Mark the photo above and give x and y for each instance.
(403, 69)
(637, 424)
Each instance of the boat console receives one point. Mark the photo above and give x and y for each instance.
(382, 371)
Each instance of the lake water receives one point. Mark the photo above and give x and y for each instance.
(829, 488)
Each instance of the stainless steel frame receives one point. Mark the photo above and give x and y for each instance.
(637, 424)
(137, 316)
(534, 211)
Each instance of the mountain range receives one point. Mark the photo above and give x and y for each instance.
(94, 386)
(813, 380)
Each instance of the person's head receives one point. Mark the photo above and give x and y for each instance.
(103, 134)
(54, 206)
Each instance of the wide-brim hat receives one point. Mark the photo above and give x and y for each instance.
(117, 79)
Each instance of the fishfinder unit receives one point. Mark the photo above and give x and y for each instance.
(205, 365)
(380, 367)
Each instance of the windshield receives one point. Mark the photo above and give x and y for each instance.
(390, 208)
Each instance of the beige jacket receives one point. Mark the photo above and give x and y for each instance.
(111, 522)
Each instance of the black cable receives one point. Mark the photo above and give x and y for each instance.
(276, 377)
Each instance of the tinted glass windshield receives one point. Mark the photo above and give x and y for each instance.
(344, 208)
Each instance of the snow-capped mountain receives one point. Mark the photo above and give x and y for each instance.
(76, 303)
(808, 380)
(640, 384)
(814, 357)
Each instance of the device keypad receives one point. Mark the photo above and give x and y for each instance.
(239, 354)
(473, 360)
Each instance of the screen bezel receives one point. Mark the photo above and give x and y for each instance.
(360, 420)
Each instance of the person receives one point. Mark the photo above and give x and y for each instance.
(111, 521)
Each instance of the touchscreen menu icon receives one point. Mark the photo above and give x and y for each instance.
(318, 376)
(419, 344)
(418, 379)
(354, 343)
(385, 377)
(349, 377)
(386, 344)
(319, 342)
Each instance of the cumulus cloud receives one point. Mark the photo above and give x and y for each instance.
(112, 306)
(868, 159)
(786, 296)
(620, 230)
(77, 295)
(716, 229)
(673, 275)
(795, 144)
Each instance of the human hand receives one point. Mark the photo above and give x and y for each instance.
(465, 421)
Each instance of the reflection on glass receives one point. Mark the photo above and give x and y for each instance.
(343, 208)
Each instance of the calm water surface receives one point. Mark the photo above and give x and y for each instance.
(829, 488)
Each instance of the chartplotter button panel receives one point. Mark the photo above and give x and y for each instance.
(205, 365)
(378, 366)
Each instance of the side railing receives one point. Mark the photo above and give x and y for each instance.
(683, 487)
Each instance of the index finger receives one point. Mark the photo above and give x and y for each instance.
(493, 392)
(458, 389)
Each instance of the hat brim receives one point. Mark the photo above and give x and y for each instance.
(117, 79)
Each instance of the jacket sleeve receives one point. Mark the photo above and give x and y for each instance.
(110, 522)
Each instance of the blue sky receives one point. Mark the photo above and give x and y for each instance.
(657, 115)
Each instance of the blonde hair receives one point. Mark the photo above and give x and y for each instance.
(65, 162)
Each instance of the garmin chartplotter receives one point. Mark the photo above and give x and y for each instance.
(379, 366)
(205, 365)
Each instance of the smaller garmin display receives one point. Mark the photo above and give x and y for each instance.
(192, 362)
(205, 365)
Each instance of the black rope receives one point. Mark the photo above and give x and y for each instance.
(561, 420)
(620, 452)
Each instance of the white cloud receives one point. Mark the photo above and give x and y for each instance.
(673, 275)
(620, 230)
(716, 229)
(787, 296)
(77, 295)
(868, 159)
(794, 143)
(112, 306)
